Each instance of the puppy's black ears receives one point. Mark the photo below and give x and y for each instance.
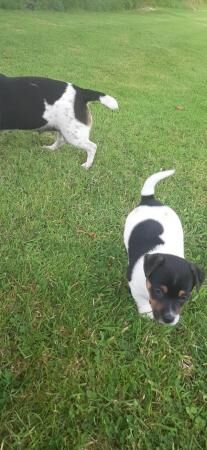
(151, 262)
(198, 276)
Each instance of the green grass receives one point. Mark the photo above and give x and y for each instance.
(80, 370)
(97, 5)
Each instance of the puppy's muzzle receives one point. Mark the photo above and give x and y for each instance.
(166, 317)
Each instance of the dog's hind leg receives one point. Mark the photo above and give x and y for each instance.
(90, 148)
(58, 143)
(79, 137)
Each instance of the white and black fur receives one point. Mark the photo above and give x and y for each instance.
(160, 279)
(35, 103)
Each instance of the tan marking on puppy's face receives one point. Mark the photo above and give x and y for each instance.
(156, 305)
(164, 288)
(148, 284)
(181, 293)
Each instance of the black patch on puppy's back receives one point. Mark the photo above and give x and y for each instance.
(149, 200)
(22, 101)
(144, 238)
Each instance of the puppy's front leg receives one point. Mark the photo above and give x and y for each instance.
(148, 314)
(58, 143)
(144, 307)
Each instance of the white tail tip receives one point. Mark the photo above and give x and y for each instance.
(150, 183)
(109, 101)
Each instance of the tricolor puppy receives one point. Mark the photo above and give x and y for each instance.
(160, 279)
(34, 103)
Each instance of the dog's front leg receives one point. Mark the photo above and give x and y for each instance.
(58, 143)
(147, 313)
(144, 307)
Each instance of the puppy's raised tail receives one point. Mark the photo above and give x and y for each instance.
(93, 96)
(149, 185)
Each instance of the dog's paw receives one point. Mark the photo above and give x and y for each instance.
(86, 166)
(49, 147)
(148, 314)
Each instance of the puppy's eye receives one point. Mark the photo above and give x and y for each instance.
(158, 292)
(184, 297)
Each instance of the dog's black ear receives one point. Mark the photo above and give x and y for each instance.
(151, 262)
(198, 276)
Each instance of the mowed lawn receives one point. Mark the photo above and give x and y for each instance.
(79, 369)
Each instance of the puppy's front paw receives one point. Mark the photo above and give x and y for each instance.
(49, 147)
(148, 314)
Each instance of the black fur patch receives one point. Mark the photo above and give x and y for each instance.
(149, 200)
(175, 273)
(82, 97)
(144, 237)
(22, 101)
(80, 106)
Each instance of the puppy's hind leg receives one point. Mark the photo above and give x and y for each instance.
(58, 143)
(90, 148)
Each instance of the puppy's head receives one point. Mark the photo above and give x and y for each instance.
(170, 281)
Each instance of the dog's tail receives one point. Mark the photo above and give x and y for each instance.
(93, 96)
(149, 185)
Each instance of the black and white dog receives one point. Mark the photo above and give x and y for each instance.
(160, 279)
(28, 103)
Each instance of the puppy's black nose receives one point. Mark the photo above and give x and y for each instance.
(168, 317)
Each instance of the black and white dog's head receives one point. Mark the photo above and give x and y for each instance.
(170, 281)
(160, 279)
